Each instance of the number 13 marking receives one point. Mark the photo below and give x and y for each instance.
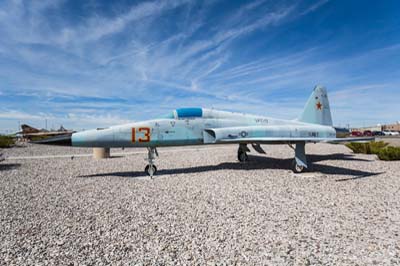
(145, 130)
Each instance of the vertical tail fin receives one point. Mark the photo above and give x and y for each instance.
(317, 110)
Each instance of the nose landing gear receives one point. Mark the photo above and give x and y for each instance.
(151, 169)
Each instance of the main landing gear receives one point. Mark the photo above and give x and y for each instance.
(243, 149)
(242, 153)
(151, 169)
(300, 159)
(299, 163)
(296, 168)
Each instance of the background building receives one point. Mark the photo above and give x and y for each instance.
(391, 127)
(371, 128)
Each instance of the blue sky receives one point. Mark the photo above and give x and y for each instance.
(89, 64)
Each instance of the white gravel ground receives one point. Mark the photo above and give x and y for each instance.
(203, 208)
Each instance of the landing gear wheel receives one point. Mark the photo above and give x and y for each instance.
(150, 170)
(297, 168)
(242, 156)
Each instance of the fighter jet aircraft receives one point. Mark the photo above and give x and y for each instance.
(28, 132)
(199, 126)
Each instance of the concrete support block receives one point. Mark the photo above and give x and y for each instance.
(101, 153)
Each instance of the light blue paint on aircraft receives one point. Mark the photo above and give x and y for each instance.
(198, 126)
(319, 101)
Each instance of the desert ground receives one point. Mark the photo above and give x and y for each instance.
(59, 206)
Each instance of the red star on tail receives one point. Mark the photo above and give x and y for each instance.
(319, 106)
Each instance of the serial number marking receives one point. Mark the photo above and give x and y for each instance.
(261, 120)
(146, 134)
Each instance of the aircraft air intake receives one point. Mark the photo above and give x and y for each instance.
(209, 136)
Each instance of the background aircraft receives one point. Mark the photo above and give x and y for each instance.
(198, 126)
(28, 132)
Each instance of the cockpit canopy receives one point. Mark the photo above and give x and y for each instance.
(185, 113)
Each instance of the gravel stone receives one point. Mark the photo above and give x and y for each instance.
(203, 208)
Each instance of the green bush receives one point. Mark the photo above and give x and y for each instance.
(380, 148)
(357, 147)
(377, 146)
(6, 141)
(389, 154)
(367, 148)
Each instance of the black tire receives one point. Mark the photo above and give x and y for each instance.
(150, 170)
(242, 156)
(297, 169)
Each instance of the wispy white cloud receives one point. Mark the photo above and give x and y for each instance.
(95, 120)
(78, 120)
(14, 114)
(366, 105)
(98, 27)
(314, 7)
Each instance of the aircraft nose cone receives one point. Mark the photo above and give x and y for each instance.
(87, 138)
(80, 138)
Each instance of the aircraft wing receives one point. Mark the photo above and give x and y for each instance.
(275, 135)
(357, 139)
(293, 140)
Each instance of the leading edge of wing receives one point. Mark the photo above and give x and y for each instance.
(277, 140)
